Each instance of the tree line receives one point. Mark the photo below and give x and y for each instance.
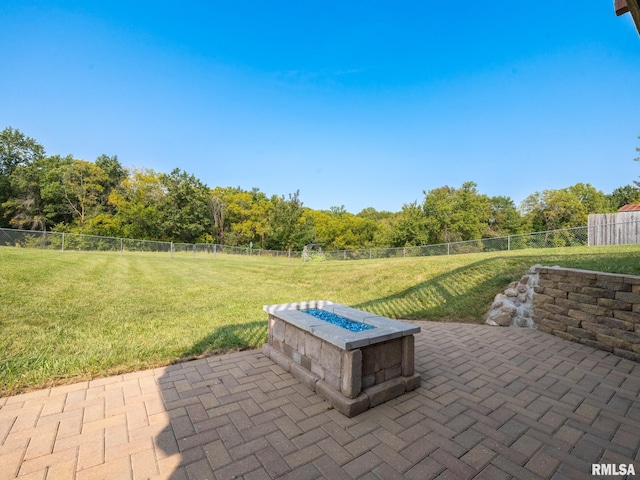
(102, 197)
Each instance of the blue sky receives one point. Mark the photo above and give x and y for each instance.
(358, 103)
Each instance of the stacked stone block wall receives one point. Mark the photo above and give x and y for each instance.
(598, 309)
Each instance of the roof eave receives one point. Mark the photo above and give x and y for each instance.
(629, 6)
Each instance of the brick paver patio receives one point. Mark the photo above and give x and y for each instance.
(494, 403)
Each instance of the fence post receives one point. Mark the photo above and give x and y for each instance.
(448, 245)
(121, 247)
(63, 241)
(171, 249)
(509, 242)
(215, 247)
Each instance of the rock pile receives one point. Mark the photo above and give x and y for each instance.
(514, 306)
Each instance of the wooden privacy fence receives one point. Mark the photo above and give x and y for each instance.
(620, 228)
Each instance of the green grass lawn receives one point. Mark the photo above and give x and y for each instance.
(67, 316)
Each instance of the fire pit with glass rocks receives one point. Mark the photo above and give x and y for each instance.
(353, 359)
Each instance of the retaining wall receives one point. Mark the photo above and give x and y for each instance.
(598, 309)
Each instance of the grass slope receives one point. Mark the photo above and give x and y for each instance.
(77, 315)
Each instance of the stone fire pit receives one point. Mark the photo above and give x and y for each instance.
(353, 371)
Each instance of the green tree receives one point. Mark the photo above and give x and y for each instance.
(289, 227)
(185, 207)
(218, 210)
(593, 200)
(16, 150)
(383, 220)
(49, 174)
(82, 186)
(137, 202)
(116, 173)
(26, 209)
(473, 211)
(373, 214)
(246, 215)
(505, 218)
(622, 196)
(337, 229)
(552, 210)
(439, 208)
(456, 214)
(564, 208)
(409, 227)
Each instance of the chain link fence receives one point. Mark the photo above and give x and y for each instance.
(79, 242)
(571, 237)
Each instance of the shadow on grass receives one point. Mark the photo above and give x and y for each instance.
(464, 293)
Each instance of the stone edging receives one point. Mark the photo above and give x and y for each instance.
(514, 307)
